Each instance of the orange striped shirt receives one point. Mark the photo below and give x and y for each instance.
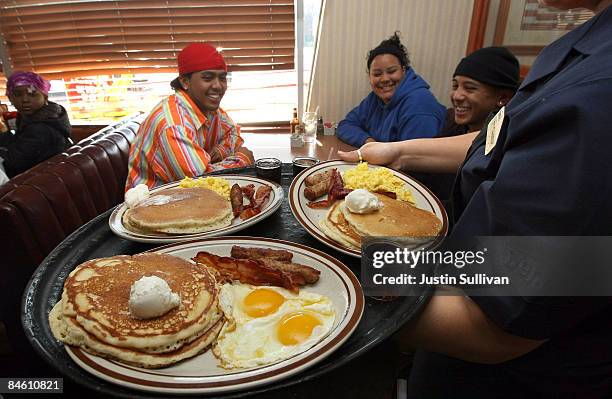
(177, 139)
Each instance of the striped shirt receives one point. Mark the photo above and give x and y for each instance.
(177, 140)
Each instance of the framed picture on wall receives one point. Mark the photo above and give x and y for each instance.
(525, 27)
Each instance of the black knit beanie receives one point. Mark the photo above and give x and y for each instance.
(393, 46)
(495, 66)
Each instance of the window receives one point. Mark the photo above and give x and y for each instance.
(107, 59)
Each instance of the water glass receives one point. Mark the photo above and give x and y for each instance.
(310, 126)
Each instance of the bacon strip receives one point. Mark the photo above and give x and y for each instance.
(248, 271)
(249, 213)
(262, 194)
(249, 192)
(257, 201)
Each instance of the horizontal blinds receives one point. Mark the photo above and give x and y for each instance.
(80, 38)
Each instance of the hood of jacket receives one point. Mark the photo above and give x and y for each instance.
(408, 85)
(51, 114)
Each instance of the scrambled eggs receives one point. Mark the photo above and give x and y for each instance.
(217, 184)
(376, 179)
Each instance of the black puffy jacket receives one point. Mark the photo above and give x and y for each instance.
(38, 137)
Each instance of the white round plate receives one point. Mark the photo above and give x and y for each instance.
(309, 218)
(201, 374)
(272, 204)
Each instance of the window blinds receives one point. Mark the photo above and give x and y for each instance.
(63, 39)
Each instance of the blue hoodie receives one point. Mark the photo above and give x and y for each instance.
(413, 112)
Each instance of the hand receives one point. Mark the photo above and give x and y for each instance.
(215, 156)
(376, 153)
(247, 152)
(3, 125)
(370, 140)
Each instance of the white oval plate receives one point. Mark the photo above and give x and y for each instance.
(309, 218)
(201, 374)
(272, 204)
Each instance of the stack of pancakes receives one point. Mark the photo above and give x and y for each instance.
(180, 211)
(394, 219)
(94, 315)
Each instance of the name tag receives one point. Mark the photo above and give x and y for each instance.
(493, 129)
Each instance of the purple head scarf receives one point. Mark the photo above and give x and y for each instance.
(31, 79)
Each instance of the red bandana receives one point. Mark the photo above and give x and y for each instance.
(200, 57)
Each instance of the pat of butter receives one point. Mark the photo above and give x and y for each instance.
(362, 201)
(136, 195)
(150, 297)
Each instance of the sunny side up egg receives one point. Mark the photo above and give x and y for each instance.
(269, 324)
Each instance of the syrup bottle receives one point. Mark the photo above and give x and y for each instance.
(295, 122)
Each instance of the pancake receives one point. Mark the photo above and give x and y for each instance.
(97, 292)
(69, 331)
(335, 226)
(180, 211)
(394, 219)
(94, 314)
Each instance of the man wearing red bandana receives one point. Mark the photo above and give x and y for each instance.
(188, 134)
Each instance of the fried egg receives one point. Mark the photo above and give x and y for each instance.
(268, 324)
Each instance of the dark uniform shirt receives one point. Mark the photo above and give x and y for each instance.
(549, 174)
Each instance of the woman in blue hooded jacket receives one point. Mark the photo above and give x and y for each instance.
(400, 106)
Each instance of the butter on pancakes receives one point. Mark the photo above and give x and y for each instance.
(94, 313)
(180, 211)
(394, 219)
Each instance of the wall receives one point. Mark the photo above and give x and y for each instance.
(435, 33)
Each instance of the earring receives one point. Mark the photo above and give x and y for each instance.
(501, 103)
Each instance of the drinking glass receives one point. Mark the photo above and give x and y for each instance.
(269, 168)
(310, 126)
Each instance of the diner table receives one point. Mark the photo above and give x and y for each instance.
(277, 145)
(365, 366)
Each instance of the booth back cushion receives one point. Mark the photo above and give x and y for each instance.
(42, 206)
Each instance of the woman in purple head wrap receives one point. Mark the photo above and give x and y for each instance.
(42, 128)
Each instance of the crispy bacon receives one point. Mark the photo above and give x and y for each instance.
(319, 204)
(249, 192)
(256, 199)
(262, 194)
(248, 271)
(260, 253)
(249, 213)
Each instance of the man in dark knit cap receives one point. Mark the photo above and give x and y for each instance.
(483, 82)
